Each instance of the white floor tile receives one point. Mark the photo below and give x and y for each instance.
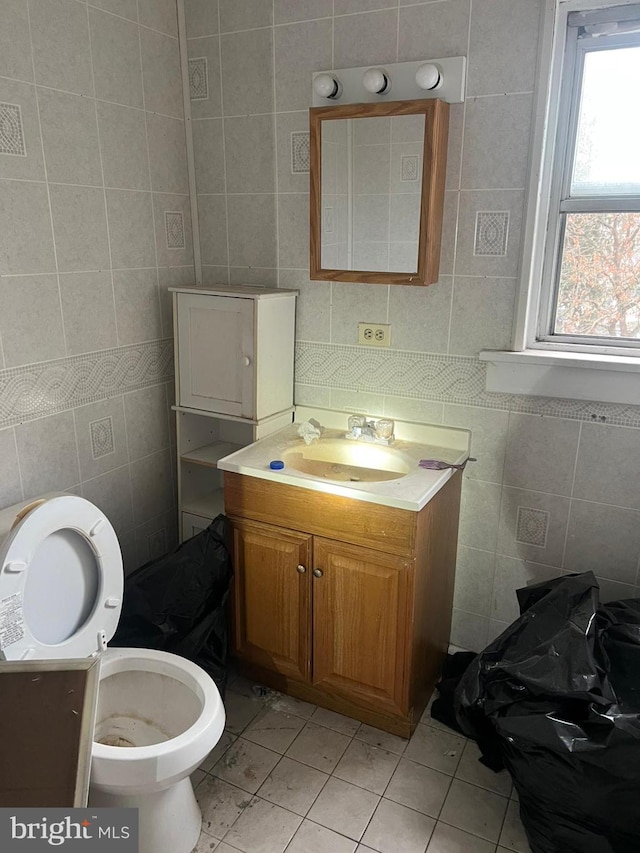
(418, 787)
(513, 835)
(196, 777)
(394, 827)
(206, 843)
(385, 740)
(300, 809)
(313, 838)
(435, 748)
(474, 810)
(290, 705)
(318, 747)
(448, 839)
(366, 766)
(263, 828)
(337, 722)
(293, 786)
(246, 765)
(274, 729)
(344, 808)
(471, 770)
(240, 710)
(221, 805)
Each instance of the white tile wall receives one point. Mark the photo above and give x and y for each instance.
(84, 359)
(572, 464)
(85, 266)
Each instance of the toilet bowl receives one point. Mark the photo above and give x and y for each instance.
(158, 715)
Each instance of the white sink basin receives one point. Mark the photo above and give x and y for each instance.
(343, 460)
(333, 464)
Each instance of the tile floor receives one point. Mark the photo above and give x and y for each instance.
(288, 776)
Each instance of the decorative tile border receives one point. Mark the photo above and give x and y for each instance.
(410, 168)
(492, 233)
(617, 414)
(102, 441)
(532, 526)
(174, 228)
(198, 78)
(328, 220)
(300, 152)
(11, 130)
(36, 390)
(437, 378)
(453, 379)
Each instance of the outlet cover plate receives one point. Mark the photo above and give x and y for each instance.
(374, 334)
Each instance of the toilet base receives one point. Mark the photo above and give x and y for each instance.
(169, 821)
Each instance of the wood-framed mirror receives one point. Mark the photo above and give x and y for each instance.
(377, 191)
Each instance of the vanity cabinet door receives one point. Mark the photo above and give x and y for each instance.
(216, 371)
(272, 598)
(361, 624)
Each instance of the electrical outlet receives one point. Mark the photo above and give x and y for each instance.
(374, 334)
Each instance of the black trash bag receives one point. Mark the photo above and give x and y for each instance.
(453, 668)
(178, 603)
(556, 699)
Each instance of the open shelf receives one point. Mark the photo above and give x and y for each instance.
(209, 505)
(210, 453)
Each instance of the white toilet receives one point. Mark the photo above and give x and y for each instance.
(159, 715)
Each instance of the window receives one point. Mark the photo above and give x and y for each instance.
(577, 325)
(590, 289)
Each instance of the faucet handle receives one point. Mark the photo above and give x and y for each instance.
(356, 422)
(384, 428)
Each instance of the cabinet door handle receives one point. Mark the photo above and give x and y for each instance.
(317, 573)
(301, 569)
(246, 360)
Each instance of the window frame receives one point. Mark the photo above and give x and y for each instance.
(561, 59)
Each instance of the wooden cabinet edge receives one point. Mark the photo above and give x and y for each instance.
(433, 592)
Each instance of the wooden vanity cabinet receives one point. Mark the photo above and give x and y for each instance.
(340, 602)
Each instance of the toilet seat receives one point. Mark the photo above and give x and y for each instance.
(61, 582)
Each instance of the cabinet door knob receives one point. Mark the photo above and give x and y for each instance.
(301, 569)
(246, 360)
(317, 573)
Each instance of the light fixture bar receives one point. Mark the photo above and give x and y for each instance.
(397, 81)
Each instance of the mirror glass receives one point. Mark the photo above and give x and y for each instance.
(377, 191)
(371, 186)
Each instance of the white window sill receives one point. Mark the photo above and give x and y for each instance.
(574, 376)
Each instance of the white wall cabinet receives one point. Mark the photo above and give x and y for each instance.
(234, 349)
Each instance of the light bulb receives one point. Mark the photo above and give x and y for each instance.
(327, 86)
(428, 76)
(376, 81)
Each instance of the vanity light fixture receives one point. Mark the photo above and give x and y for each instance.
(327, 86)
(428, 76)
(376, 81)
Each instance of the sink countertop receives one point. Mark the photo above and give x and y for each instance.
(411, 492)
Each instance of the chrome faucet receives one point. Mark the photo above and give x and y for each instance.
(361, 429)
